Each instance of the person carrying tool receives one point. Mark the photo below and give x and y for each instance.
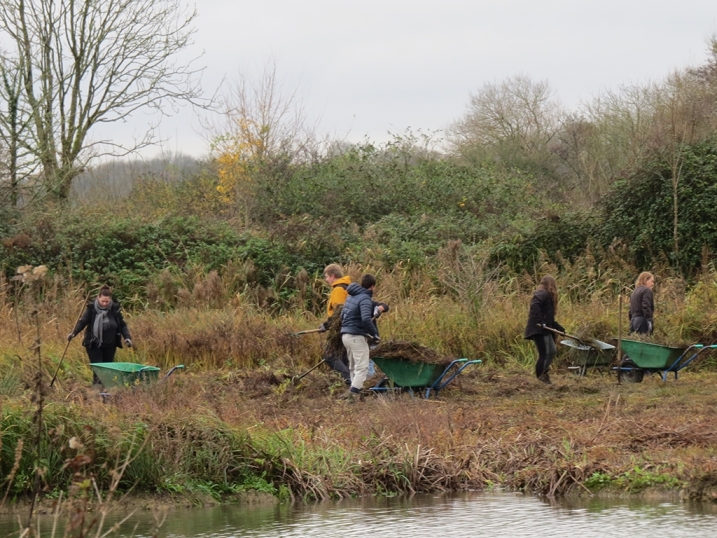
(357, 327)
(642, 305)
(105, 329)
(378, 309)
(334, 275)
(543, 308)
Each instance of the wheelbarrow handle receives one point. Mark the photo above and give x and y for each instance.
(561, 333)
(171, 371)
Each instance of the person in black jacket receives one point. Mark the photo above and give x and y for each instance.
(642, 305)
(105, 329)
(357, 327)
(543, 308)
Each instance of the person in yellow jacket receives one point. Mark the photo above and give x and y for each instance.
(338, 282)
(334, 276)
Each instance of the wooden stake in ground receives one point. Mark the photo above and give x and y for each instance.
(619, 339)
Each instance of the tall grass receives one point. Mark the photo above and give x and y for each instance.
(207, 431)
(219, 328)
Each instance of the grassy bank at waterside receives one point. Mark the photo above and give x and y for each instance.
(216, 434)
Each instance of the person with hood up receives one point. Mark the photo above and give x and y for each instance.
(105, 329)
(357, 327)
(543, 307)
(334, 275)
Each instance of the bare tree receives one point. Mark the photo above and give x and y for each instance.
(685, 113)
(19, 166)
(607, 138)
(265, 117)
(511, 122)
(88, 62)
(263, 129)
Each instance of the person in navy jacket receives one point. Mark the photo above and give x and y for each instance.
(357, 328)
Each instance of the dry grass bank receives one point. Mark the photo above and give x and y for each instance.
(492, 427)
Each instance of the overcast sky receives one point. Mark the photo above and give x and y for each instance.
(367, 68)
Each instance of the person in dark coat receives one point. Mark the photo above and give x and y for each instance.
(357, 327)
(543, 308)
(105, 329)
(642, 304)
(378, 309)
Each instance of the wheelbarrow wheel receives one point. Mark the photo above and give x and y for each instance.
(634, 374)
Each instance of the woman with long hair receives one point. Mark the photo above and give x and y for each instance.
(105, 329)
(642, 304)
(543, 308)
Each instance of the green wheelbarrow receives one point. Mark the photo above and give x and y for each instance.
(128, 374)
(414, 375)
(646, 357)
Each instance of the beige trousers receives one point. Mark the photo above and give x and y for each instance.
(357, 350)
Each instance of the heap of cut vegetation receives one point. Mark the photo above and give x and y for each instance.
(409, 351)
(334, 344)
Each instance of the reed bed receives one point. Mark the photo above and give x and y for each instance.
(234, 421)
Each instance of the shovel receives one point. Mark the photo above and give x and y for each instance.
(561, 333)
(295, 335)
(297, 378)
(84, 305)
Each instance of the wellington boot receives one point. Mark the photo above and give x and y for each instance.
(351, 396)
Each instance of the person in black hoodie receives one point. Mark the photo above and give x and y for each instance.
(357, 327)
(543, 308)
(105, 329)
(642, 304)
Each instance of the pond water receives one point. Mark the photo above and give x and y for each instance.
(479, 514)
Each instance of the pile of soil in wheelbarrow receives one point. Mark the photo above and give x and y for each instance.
(409, 351)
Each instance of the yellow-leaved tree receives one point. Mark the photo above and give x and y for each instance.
(260, 126)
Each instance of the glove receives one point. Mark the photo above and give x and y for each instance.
(649, 327)
(70, 337)
(376, 312)
(128, 342)
(323, 328)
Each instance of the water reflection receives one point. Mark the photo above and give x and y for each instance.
(489, 514)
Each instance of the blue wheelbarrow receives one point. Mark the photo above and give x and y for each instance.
(415, 375)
